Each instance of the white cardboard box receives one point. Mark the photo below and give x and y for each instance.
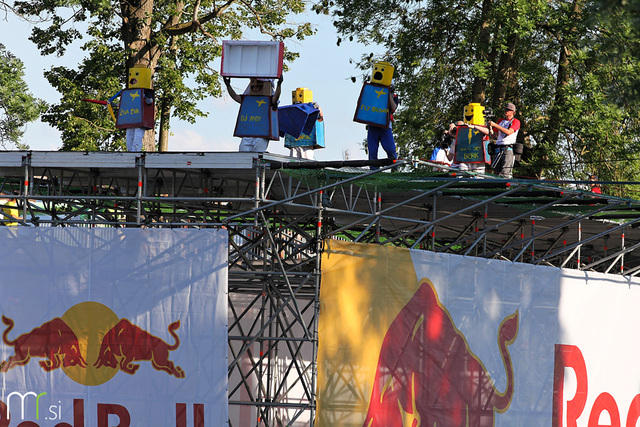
(244, 58)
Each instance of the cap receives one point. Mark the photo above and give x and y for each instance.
(510, 106)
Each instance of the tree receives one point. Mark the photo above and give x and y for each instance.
(571, 66)
(446, 54)
(176, 39)
(17, 105)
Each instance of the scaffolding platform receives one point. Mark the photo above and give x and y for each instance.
(278, 210)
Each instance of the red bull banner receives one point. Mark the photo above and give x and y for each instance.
(415, 338)
(113, 327)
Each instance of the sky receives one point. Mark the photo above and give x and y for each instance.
(323, 67)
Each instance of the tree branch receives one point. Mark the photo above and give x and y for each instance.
(196, 24)
(93, 124)
(263, 30)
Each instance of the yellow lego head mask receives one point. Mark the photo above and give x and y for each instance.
(302, 95)
(474, 114)
(382, 73)
(139, 78)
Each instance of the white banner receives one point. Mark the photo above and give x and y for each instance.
(415, 338)
(574, 357)
(113, 327)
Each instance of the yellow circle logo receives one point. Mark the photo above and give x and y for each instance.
(90, 321)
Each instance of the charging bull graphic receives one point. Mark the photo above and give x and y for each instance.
(57, 341)
(428, 377)
(54, 341)
(126, 343)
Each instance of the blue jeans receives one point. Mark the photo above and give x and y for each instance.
(380, 136)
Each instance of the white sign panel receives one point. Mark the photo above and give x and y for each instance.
(113, 327)
(574, 359)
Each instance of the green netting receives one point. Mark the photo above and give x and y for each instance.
(383, 181)
(531, 193)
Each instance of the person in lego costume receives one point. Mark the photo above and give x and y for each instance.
(256, 87)
(474, 134)
(295, 145)
(136, 110)
(376, 106)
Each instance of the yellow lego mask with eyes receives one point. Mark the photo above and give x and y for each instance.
(382, 73)
(139, 78)
(474, 114)
(302, 95)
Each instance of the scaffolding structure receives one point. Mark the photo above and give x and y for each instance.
(279, 211)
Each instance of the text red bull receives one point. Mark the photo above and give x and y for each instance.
(106, 414)
(570, 356)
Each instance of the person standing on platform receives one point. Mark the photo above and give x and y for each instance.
(136, 109)
(306, 152)
(303, 146)
(471, 140)
(375, 108)
(453, 133)
(440, 153)
(476, 167)
(595, 187)
(507, 129)
(301, 124)
(135, 136)
(383, 136)
(256, 87)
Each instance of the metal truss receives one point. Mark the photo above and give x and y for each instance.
(278, 215)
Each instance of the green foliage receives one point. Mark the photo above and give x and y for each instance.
(177, 39)
(571, 67)
(17, 105)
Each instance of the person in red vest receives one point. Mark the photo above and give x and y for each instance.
(595, 188)
(507, 130)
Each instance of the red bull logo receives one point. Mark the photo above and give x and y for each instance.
(126, 343)
(428, 376)
(90, 344)
(90, 331)
(54, 341)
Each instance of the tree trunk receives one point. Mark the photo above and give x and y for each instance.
(482, 52)
(165, 116)
(149, 140)
(506, 84)
(136, 34)
(136, 31)
(564, 78)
